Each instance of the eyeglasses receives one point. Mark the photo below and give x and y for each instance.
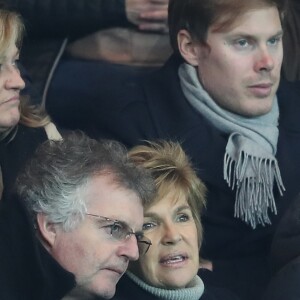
(121, 231)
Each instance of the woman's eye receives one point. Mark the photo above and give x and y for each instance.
(6, 65)
(148, 225)
(183, 218)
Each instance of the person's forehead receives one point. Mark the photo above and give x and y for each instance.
(174, 199)
(251, 19)
(110, 199)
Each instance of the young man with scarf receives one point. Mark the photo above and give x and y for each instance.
(218, 95)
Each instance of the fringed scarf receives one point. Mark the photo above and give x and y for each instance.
(250, 166)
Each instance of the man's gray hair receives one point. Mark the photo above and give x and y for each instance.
(55, 180)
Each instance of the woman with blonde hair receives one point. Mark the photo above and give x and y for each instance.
(173, 224)
(22, 126)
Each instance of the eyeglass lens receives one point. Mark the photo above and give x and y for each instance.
(120, 231)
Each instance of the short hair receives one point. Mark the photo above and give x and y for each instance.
(172, 170)
(196, 16)
(11, 31)
(56, 178)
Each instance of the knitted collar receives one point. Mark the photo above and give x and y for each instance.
(250, 166)
(193, 292)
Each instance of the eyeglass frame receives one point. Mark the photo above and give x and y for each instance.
(141, 239)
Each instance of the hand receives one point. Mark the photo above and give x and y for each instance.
(148, 15)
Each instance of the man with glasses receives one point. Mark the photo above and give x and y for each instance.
(75, 222)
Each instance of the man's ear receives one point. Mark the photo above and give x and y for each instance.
(190, 50)
(47, 230)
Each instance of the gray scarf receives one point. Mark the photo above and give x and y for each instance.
(250, 166)
(193, 292)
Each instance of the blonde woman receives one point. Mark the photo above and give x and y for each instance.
(168, 271)
(22, 127)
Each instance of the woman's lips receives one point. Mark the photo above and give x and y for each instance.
(173, 259)
(12, 99)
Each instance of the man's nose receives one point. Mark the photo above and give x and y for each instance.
(264, 60)
(130, 248)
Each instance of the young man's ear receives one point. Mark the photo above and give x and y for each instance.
(47, 230)
(190, 50)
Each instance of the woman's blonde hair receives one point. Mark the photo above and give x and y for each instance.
(11, 32)
(172, 170)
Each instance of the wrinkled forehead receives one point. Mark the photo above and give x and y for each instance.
(173, 194)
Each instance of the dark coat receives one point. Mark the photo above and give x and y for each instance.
(291, 41)
(285, 258)
(27, 270)
(128, 290)
(156, 108)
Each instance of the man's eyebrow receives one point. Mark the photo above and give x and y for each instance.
(279, 33)
(243, 34)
